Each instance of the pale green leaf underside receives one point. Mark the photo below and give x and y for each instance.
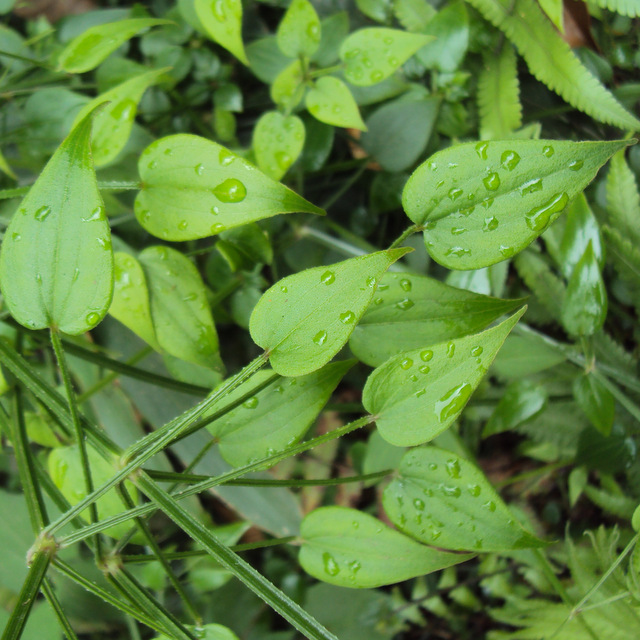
(418, 394)
(222, 20)
(551, 60)
(305, 319)
(629, 8)
(482, 203)
(299, 30)
(56, 265)
(350, 548)
(442, 499)
(330, 101)
(277, 142)
(194, 188)
(90, 48)
(409, 312)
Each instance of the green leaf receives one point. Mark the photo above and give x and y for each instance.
(377, 10)
(554, 11)
(56, 265)
(629, 8)
(373, 54)
(522, 356)
(548, 288)
(413, 15)
(91, 47)
(551, 60)
(330, 101)
(623, 198)
(194, 188)
(277, 142)
(288, 88)
(625, 256)
(450, 28)
(499, 105)
(481, 203)
(276, 417)
(179, 310)
(522, 400)
(112, 125)
(596, 401)
(635, 519)
(15, 540)
(266, 60)
(409, 312)
(299, 31)
(335, 29)
(306, 318)
(222, 20)
(442, 499)
(418, 394)
(208, 632)
(584, 308)
(6, 168)
(350, 548)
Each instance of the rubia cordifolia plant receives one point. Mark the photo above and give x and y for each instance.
(478, 204)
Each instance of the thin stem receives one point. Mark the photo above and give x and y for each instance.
(53, 601)
(415, 228)
(348, 183)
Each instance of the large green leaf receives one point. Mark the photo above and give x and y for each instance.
(350, 548)
(442, 499)
(90, 48)
(194, 188)
(331, 101)
(299, 30)
(276, 417)
(481, 203)
(450, 28)
(370, 55)
(277, 142)
(306, 318)
(409, 312)
(56, 265)
(418, 394)
(222, 20)
(551, 60)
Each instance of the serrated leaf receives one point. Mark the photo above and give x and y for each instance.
(56, 265)
(277, 142)
(222, 20)
(370, 55)
(410, 312)
(551, 60)
(442, 499)
(276, 417)
(194, 188)
(350, 548)
(481, 203)
(91, 47)
(450, 30)
(623, 198)
(499, 105)
(548, 288)
(330, 101)
(629, 8)
(596, 401)
(418, 394)
(299, 30)
(625, 256)
(305, 319)
(112, 125)
(584, 307)
(413, 15)
(554, 11)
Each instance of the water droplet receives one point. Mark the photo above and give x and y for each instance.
(576, 165)
(182, 225)
(371, 283)
(42, 213)
(433, 466)
(426, 355)
(283, 159)
(378, 301)
(492, 181)
(320, 338)
(413, 377)
(451, 349)
(376, 76)
(337, 108)
(476, 351)
(481, 150)
(539, 217)
(199, 169)
(419, 504)
(531, 187)
(509, 160)
(451, 492)
(251, 403)
(219, 10)
(419, 393)
(92, 319)
(474, 490)
(405, 304)
(491, 505)
(453, 467)
(328, 277)
(330, 565)
(168, 151)
(490, 224)
(459, 252)
(407, 363)
(347, 317)
(16, 236)
(230, 191)
(96, 214)
(487, 203)
(506, 251)
(453, 401)
(283, 289)
(455, 193)
(393, 61)
(39, 278)
(548, 151)
(104, 244)
(405, 284)
(352, 53)
(217, 228)
(424, 369)
(153, 164)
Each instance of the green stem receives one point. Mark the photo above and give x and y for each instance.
(348, 183)
(415, 228)
(53, 601)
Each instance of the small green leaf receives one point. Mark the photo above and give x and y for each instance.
(596, 401)
(409, 312)
(276, 417)
(331, 101)
(222, 20)
(194, 188)
(522, 400)
(90, 48)
(418, 394)
(373, 54)
(378, 10)
(481, 203)
(584, 308)
(5, 168)
(277, 142)
(299, 31)
(305, 319)
(288, 87)
(442, 499)
(56, 265)
(413, 15)
(522, 356)
(635, 519)
(112, 125)
(350, 548)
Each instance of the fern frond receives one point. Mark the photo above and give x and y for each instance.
(623, 199)
(625, 256)
(499, 105)
(545, 284)
(629, 8)
(551, 60)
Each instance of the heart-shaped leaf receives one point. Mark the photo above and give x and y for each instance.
(194, 188)
(287, 90)
(222, 20)
(350, 548)
(299, 30)
(418, 394)
(481, 203)
(277, 142)
(442, 499)
(373, 54)
(305, 319)
(409, 312)
(330, 101)
(56, 265)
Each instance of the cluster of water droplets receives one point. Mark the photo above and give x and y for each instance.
(371, 64)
